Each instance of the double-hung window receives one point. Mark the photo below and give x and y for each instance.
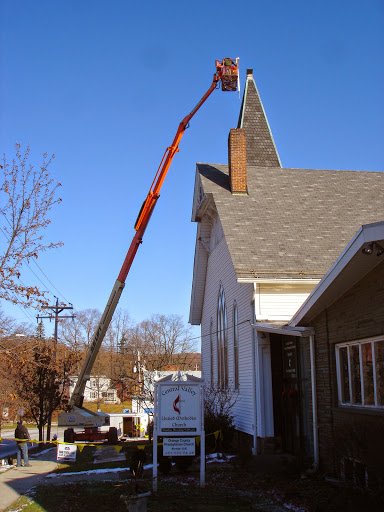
(360, 372)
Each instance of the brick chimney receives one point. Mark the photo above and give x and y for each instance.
(237, 161)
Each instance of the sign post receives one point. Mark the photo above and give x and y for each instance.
(179, 419)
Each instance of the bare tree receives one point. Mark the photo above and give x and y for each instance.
(8, 396)
(119, 356)
(40, 372)
(78, 333)
(218, 411)
(26, 198)
(132, 354)
(9, 326)
(163, 341)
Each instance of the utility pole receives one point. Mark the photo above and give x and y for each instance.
(57, 310)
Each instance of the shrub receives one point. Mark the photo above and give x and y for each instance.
(218, 404)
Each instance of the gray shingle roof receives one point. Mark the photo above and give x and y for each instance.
(295, 222)
(261, 149)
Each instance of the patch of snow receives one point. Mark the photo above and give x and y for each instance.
(293, 507)
(218, 457)
(213, 457)
(20, 509)
(5, 467)
(94, 471)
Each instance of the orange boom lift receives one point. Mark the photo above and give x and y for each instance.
(227, 71)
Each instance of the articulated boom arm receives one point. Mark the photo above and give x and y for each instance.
(227, 72)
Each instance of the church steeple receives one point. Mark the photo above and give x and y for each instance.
(261, 149)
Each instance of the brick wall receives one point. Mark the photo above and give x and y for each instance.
(358, 314)
(237, 161)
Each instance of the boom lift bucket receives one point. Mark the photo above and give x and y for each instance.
(229, 70)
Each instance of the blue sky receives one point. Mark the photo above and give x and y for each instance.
(104, 84)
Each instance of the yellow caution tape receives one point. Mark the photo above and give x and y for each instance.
(118, 448)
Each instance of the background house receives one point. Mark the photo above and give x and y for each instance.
(266, 235)
(97, 389)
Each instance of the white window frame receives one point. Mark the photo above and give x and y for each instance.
(222, 339)
(236, 344)
(348, 345)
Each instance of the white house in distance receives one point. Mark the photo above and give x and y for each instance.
(97, 389)
(144, 404)
(266, 235)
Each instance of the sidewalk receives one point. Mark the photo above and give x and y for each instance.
(15, 482)
(18, 481)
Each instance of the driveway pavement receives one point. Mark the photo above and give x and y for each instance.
(17, 481)
(9, 433)
(8, 448)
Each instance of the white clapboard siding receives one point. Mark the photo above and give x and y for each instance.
(220, 270)
(276, 302)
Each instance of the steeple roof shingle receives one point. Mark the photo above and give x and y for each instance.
(261, 149)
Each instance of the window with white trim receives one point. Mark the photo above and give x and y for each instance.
(222, 340)
(236, 344)
(360, 372)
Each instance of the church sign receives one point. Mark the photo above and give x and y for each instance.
(179, 420)
(179, 408)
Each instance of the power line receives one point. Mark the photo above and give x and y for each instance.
(66, 300)
(37, 277)
(26, 313)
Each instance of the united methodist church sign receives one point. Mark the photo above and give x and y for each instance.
(179, 408)
(179, 418)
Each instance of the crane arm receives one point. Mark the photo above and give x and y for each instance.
(154, 192)
(227, 73)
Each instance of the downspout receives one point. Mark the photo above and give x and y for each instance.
(254, 337)
(314, 402)
(255, 391)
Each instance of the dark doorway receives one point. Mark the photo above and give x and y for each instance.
(290, 392)
(128, 427)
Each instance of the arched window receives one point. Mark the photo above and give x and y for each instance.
(236, 344)
(222, 340)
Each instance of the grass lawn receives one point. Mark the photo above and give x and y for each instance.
(108, 408)
(230, 486)
(85, 458)
(172, 496)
